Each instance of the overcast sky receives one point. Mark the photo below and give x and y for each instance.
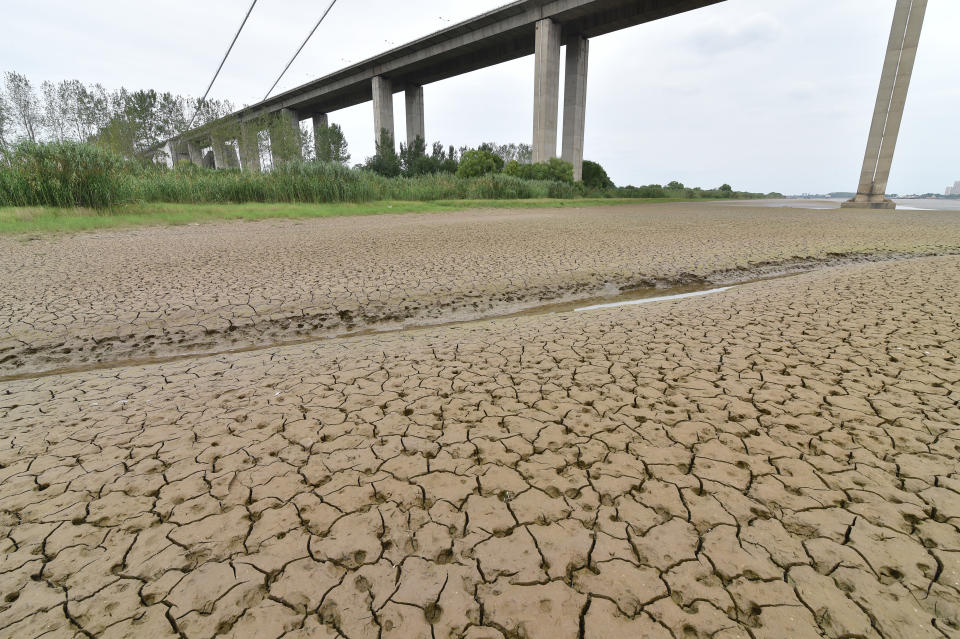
(763, 94)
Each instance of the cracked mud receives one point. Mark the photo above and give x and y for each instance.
(778, 460)
(73, 302)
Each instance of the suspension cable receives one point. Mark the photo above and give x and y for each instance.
(222, 62)
(310, 35)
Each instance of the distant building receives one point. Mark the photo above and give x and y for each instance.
(953, 190)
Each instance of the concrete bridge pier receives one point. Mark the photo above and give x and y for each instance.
(888, 113)
(415, 116)
(320, 121)
(575, 103)
(285, 142)
(250, 148)
(224, 154)
(219, 156)
(546, 91)
(178, 151)
(194, 151)
(382, 107)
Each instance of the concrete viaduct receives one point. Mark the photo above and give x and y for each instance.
(518, 29)
(522, 28)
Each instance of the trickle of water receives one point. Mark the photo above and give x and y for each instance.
(647, 300)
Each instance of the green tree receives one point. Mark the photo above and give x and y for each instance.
(92, 110)
(385, 161)
(497, 151)
(54, 111)
(446, 161)
(595, 177)
(77, 109)
(331, 144)
(479, 162)
(138, 122)
(415, 161)
(676, 186)
(511, 152)
(4, 122)
(23, 104)
(206, 111)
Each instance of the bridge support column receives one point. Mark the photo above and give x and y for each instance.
(382, 107)
(219, 157)
(575, 103)
(250, 148)
(320, 124)
(291, 119)
(224, 154)
(194, 151)
(178, 152)
(891, 98)
(285, 142)
(415, 118)
(546, 92)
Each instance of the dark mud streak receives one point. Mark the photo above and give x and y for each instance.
(250, 338)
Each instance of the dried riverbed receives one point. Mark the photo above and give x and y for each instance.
(779, 459)
(83, 300)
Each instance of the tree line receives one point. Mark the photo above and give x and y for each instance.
(129, 123)
(415, 159)
(133, 125)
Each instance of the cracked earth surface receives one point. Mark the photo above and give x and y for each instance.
(108, 297)
(778, 460)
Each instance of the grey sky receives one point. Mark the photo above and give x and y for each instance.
(763, 94)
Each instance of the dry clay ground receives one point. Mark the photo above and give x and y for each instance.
(778, 460)
(74, 301)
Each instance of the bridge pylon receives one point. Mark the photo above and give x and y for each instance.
(891, 98)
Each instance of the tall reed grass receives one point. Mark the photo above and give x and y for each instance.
(319, 182)
(78, 175)
(71, 174)
(62, 174)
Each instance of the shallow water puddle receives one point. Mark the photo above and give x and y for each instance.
(647, 300)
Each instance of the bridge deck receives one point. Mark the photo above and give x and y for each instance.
(504, 34)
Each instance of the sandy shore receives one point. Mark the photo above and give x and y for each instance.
(129, 295)
(778, 460)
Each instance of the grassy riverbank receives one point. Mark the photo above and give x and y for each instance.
(27, 220)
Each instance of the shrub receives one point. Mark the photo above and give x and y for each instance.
(560, 171)
(479, 162)
(649, 191)
(554, 170)
(595, 177)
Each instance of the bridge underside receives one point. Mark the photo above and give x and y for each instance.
(522, 28)
(507, 33)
